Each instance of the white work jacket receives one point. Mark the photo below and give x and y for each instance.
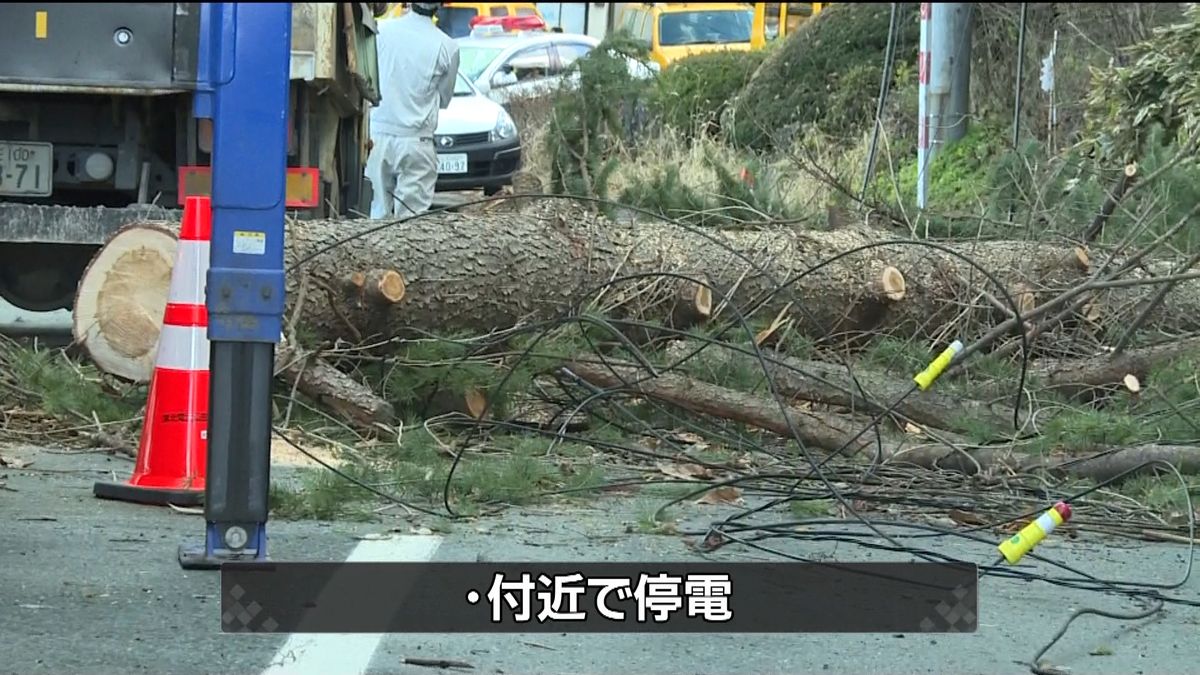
(418, 64)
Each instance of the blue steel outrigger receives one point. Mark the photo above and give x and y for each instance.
(244, 59)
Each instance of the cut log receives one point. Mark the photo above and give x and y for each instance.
(1099, 466)
(829, 432)
(121, 297)
(475, 402)
(1023, 295)
(383, 287)
(471, 403)
(1111, 201)
(349, 398)
(1082, 259)
(118, 315)
(1077, 378)
(869, 390)
(890, 285)
(695, 305)
(476, 274)
(472, 274)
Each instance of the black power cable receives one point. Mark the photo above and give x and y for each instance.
(727, 529)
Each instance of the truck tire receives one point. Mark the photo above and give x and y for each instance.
(40, 277)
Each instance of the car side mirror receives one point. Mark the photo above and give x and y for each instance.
(504, 78)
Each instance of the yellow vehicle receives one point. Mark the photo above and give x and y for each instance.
(773, 20)
(674, 30)
(454, 18)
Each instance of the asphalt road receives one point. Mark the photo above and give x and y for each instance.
(90, 586)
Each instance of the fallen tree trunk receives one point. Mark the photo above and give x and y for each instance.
(486, 273)
(834, 432)
(317, 379)
(829, 432)
(846, 434)
(1114, 461)
(119, 309)
(455, 273)
(868, 390)
(1099, 466)
(478, 274)
(1084, 379)
(1077, 377)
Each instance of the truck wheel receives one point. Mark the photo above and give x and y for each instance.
(42, 277)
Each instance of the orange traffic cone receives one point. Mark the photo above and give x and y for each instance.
(174, 446)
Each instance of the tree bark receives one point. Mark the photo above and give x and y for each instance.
(1084, 379)
(827, 431)
(343, 394)
(868, 390)
(457, 273)
(1099, 466)
(1108, 464)
(480, 274)
(835, 432)
(1078, 377)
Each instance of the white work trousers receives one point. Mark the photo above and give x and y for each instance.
(403, 172)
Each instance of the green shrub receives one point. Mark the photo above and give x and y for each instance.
(736, 190)
(1161, 87)
(826, 73)
(961, 175)
(693, 93)
(591, 119)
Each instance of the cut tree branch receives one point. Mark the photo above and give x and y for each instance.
(826, 431)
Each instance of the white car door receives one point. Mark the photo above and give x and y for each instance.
(570, 52)
(528, 73)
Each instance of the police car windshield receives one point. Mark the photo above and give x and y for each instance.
(472, 61)
(462, 87)
(705, 27)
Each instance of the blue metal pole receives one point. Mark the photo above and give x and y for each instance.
(245, 51)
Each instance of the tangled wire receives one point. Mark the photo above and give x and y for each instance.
(794, 484)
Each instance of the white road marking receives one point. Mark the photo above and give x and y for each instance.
(348, 654)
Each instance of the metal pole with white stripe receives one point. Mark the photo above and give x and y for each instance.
(923, 126)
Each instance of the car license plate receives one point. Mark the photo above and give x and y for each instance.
(26, 169)
(452, 163)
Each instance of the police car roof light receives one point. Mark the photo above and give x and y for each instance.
(513, 24)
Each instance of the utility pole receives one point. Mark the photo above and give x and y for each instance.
(944, 68)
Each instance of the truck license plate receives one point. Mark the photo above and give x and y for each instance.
(26, 169)
(452, 163)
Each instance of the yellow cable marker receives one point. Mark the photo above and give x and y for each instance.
(1031, 535)
(925, 378)
(39, 24)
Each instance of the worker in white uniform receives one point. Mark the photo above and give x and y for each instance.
(418, 64)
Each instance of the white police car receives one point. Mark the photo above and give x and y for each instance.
(478, 145)
(505, 65)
